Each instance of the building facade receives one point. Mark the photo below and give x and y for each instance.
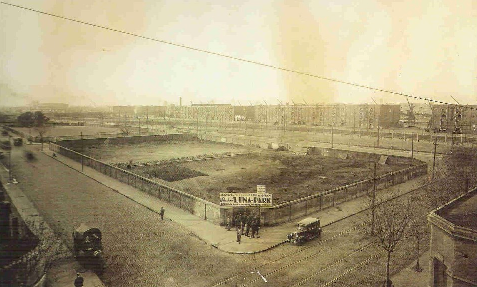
(453, 119)
(453, 248)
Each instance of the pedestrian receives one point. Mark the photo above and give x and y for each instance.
(254, 229)
(228, 223)
(242, 223)
(247, 226)
(239, 234)
(79, 280)
(257, 222)
(162, 213)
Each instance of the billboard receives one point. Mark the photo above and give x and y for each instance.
(246, 199)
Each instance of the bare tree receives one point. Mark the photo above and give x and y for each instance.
(418, 228)
(455, 174)
(42, 131)
(390, 223)
(372, 201)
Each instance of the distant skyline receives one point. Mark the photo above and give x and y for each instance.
(425, 48)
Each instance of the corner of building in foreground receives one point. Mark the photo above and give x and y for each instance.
(453, 246)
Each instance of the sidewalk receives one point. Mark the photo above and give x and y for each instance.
(410, 277)
(63, 272)
(215, 235)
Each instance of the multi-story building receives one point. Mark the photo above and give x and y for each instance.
(453, 118)
(453, 248)
(338, 115)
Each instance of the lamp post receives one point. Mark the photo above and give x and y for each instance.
(434, 158)
(10, 178)
(82, 151)
(332, 134)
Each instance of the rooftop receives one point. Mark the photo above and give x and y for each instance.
(462, 211)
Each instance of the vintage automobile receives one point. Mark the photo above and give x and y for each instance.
(307, 229)
(87, 247)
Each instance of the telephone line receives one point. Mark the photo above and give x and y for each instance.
(234, 58)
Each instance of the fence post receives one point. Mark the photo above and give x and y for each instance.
(321, 201)
(289, 216)
(306, 207)
(205, 211)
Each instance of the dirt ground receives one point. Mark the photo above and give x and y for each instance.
(285, 175)
(205, 169)
(57, 131)
(150, 152)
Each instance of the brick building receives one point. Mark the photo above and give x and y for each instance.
(453, 248)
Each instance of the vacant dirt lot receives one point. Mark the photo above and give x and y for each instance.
(58, 131)
(205, 169)
(285, 175)
(151, 152)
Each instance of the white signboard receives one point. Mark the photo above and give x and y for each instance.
(261, 188)
(246, 199)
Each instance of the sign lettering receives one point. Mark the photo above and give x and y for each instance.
(246, 199)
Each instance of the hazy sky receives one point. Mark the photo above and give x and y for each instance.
(424, 48)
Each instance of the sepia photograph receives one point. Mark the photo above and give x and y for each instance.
(211, 143)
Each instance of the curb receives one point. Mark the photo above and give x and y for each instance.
(151, 209)
(214, 245)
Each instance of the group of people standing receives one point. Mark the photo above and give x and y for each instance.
(245, 224)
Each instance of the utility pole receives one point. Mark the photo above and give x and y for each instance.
(10, 177)
(82, 151)
(147, 118)
(376, 119)
(466, 173)
(332, 135)
(373, 201)
(412, 148)
(378, 132)
(434, 160)
(139, 128)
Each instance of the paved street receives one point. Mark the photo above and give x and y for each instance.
(139, 248)
(66, 197)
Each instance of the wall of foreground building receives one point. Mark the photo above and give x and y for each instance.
(453, 248)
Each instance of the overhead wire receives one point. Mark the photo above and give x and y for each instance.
(233, 57)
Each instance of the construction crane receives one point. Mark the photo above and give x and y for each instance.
(431, 120)
(411, 117)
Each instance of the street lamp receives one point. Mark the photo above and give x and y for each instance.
(10, 178)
